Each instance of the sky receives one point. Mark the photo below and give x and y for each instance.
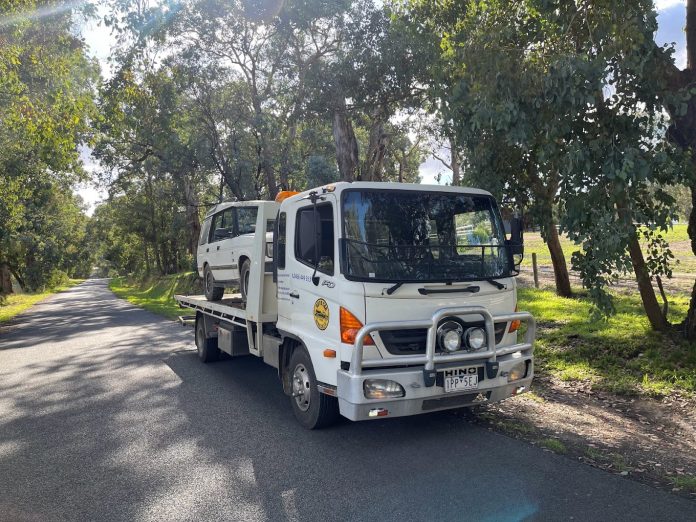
(671, 19)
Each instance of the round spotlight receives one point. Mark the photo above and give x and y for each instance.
(449, 336)
(475, 338)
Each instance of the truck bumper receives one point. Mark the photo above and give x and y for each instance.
(419, 398)
(421, 376)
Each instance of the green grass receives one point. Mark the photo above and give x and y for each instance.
(156, 294)
(15, 304)
(685, 482)
(677, 237)
(622, 354)
(554, 445)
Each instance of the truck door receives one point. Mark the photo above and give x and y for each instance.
(313, 309)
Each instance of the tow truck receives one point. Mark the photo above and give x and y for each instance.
(381, 300)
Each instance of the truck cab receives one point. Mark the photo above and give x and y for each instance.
(402, 296)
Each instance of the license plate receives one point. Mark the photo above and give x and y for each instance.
(461, 379)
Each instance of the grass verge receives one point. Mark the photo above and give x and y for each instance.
(156, 294)
(620, 355)
(15, 304)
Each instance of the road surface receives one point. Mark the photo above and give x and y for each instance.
(107, 414)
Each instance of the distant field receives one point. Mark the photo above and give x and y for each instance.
(677, 237)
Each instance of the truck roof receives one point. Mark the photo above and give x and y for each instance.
(344, 185)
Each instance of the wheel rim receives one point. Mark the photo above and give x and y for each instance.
(209, 282)
(200, 339)
(301, 387)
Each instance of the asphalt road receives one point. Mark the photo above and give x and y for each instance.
(107, 414)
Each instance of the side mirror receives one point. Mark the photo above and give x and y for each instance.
(516, 237)
(220, 233)
(516, 242)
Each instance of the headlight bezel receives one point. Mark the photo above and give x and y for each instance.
(381, 389)
(444, 330)
(475, 330)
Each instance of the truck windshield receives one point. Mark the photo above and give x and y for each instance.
(399, 235)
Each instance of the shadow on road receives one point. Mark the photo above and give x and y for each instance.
(118, 420)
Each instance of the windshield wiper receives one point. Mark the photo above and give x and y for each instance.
(394, 288)
(470, 289)
(497, 284)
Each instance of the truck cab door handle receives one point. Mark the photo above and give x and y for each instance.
(207, 249)
(294, 294)
(218, 248)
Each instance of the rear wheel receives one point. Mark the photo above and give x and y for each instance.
(312, 409)
(207, 346)
(212, 293)
(244, 279)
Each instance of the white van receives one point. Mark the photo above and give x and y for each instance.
(225, 247)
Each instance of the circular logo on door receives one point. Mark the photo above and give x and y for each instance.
(321, 314)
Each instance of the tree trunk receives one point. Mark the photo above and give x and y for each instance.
(454, 162)
(560, 268)
(5, 279)
(647, 292)
(345, 142)
(376, 149)
(690, 321)
(192, 219)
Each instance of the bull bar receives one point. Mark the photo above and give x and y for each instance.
(430, 358)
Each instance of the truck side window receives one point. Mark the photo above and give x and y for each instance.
(280, 254)
(305, 237)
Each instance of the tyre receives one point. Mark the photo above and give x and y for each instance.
(212, 293)
(244, 279)
(312, 409)
(206, 346)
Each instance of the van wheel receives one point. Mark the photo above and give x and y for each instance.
(244, 279)
(312, 409)
(212, 293)
(206, 346)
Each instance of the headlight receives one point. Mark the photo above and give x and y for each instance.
(449, 336)
(517, 372)
(269, 250)
(382, 389)
(475, 338)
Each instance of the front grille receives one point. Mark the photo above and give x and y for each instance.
(412, 342)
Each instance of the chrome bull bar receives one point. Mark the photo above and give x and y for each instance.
(430, 358)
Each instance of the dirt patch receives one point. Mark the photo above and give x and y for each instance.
(647, 440)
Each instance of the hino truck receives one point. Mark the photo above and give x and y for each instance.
(381, 300)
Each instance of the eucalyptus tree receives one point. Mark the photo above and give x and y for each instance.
(47, 85)
(572, 87)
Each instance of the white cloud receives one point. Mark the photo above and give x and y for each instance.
(666, 4)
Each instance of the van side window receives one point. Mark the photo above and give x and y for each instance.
(280, 254)
(246, 220)
(306, 237)
(205, 230)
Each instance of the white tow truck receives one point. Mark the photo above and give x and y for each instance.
(382, 300)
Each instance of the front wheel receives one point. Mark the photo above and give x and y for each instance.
(312, 409)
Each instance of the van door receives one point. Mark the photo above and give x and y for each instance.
(220, 246)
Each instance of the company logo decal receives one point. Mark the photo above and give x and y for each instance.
(321, 314)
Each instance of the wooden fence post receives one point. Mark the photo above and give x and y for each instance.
(535, 269)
